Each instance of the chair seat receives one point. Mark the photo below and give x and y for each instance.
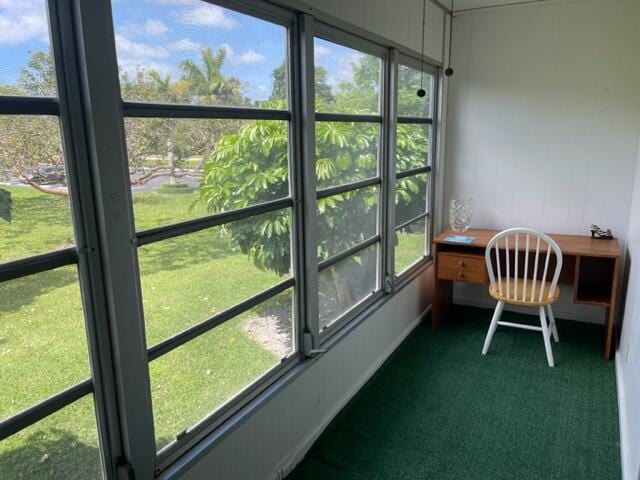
(517, 285)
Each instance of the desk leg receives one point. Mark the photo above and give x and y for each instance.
(611, 314)
(608, 332)
(442, 298)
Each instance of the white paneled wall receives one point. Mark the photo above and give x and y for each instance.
(628, 356)
(277, 436)
(399, 20)
(543, 118)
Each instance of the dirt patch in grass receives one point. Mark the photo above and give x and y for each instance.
(271, 332)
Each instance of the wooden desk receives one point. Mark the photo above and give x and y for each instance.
(590, 266)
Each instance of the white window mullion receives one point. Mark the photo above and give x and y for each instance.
(99, 89)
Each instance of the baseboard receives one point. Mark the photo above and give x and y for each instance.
(625, 454)
(295, 457)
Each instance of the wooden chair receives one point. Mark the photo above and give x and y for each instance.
(522, 284)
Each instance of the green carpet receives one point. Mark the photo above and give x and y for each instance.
(438, 409)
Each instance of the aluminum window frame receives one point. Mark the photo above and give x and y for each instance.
(102, 383)
(140, 109)
(340, 37)
(298, 29)
(429, 167)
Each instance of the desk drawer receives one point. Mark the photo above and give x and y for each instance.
(462, 267)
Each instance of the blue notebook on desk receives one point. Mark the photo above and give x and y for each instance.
(459, 239)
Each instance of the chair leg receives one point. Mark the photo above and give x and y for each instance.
(552, 323)
(492, 328)
(545, 336)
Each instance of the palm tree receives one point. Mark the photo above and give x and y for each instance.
(207, 84)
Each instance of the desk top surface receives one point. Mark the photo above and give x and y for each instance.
(569, 244)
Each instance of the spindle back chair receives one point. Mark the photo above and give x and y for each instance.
(513, 281)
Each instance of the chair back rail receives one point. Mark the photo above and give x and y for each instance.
(523, 277)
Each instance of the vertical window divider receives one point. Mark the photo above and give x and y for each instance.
(433, 157)
(98, 88)
(83, 216)
(389, 171)
(305, 177)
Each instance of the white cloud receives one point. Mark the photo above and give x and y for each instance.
(132, 66)
(150, 28)
(155, 27)
(22, 20)
(245, 58)
(345, 70)
(248, 57)
(208, 15)
(321, 51)
(185, 45)
(133, 56)
(129, 48)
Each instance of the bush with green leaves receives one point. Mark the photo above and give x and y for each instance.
(250, 166)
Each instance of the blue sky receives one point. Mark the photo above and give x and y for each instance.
(160, 33)
(23, 27)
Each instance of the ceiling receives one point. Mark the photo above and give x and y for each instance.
(459, 5)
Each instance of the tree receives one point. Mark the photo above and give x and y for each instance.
(6, 205)
(207, 85)
(30, 147)
(38, 77)
(250, 166)
(279, 84)
(157, 147)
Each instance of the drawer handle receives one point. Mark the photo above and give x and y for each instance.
(461, 263)
(460, 275)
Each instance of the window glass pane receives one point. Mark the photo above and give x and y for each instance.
(183, 169)
(410, 244)
(194, 52)
(43, 348)
(347, 219)
(409, 103)
(346, 80)
(63, 445)
(412, 146)
(199, 376)
(411, 197)
(34, 205)
(346, 152)
(190, 278)
(347, 283)
(27, 64)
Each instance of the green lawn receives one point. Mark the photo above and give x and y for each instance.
(43, 344)
(409, 248)
(184, 280)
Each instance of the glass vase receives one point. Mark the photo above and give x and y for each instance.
(460, 213)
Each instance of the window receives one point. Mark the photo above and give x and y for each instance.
(198, 53)
(47, 422)
(211, 202)
(414, 133)
(170, 244)
(347, 158)
(346, 80)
